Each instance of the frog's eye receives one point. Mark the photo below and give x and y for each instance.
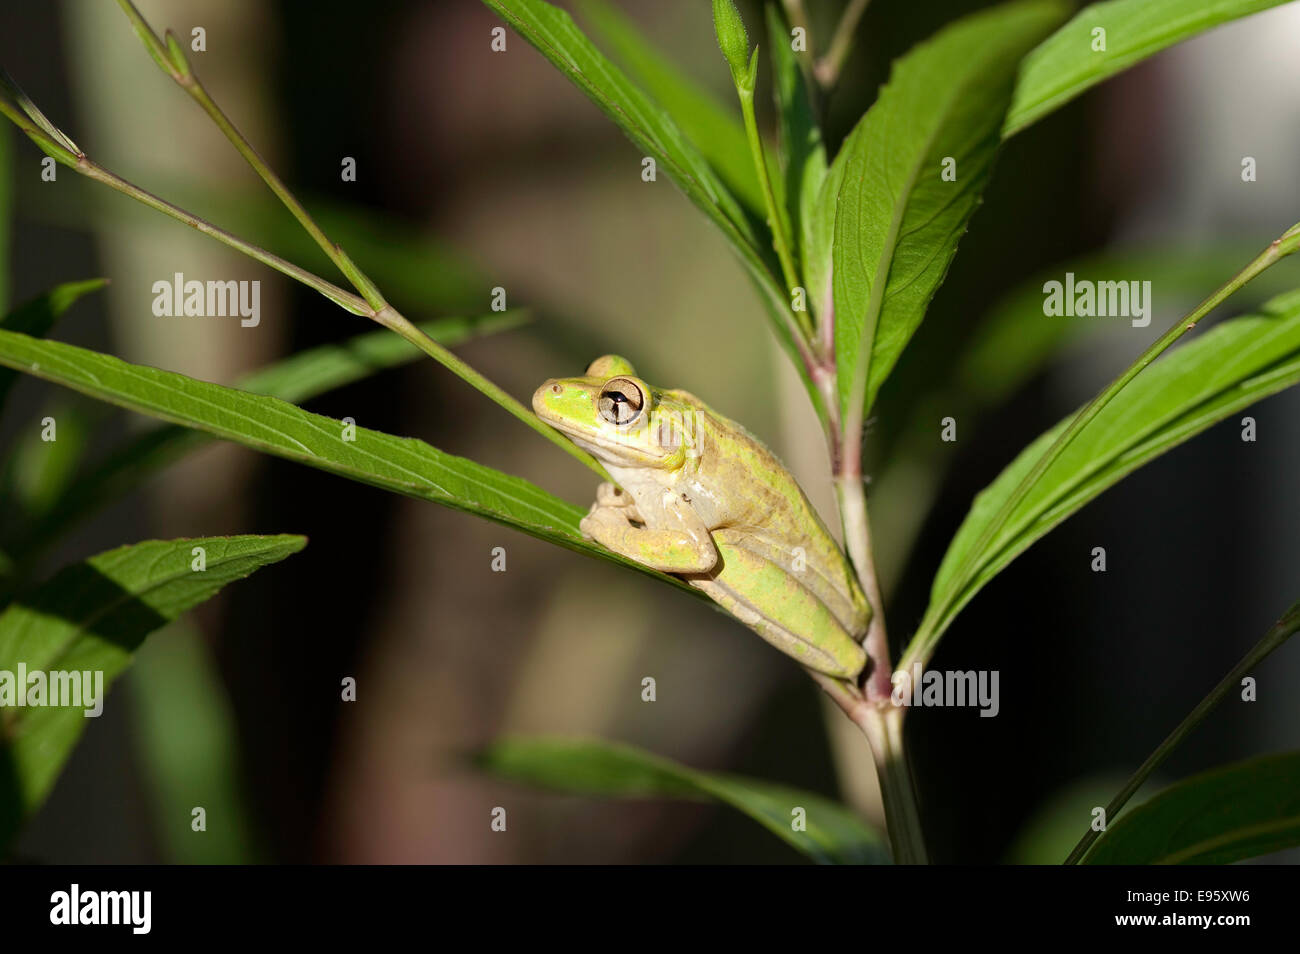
(621, 401)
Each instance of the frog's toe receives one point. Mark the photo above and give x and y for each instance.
(611, 495)
(599, 517)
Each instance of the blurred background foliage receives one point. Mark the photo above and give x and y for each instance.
(478, 169)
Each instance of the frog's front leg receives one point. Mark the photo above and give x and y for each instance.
(679, 542)
(613, 496)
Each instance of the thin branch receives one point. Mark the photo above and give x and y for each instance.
(827, 68)
(798, 17)
(1281, 631)
(851, 492)
(882, 725)
(171, 59)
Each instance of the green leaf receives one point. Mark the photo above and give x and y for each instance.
(39, 470)
(296, 379)
(1228, 814)
(710, 126)
(1066, 64)
(91, 617)
(803, 157)
(817, 235)
(1053, 827)
(399, 464)
(308, 374)
(38, 316)
(188, 743)
(1011, 344)
(554, 34)
(1286, 627)
(1224, 370)
(897, 221)
(834, 834)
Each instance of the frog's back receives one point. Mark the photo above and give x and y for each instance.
(773, 520)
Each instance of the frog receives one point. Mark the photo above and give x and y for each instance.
(695, 495)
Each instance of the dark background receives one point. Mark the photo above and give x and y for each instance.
(501, 173)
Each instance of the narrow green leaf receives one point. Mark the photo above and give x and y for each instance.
(188, 742)
(91, 617)
(898, 220)
(803, 156)
(1011, 344)
(702, 118)
(399, 464)
(711, 127)
(1228, 814)
(1076, 57)
(1224, 370)
(554, 34)
(818, 235)
(316, 371)
(64, 148)
(834, 834)
(1278, 633)
(38, 469)
(296, 379)
(38, 316)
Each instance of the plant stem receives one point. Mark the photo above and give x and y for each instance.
(884, 730)
(339, 296)
(851, 493)
(178, 68)
(882, 724)
(936, 620)
(386, 315)
(775, 219)
(1281, 631)
(798, 17)
(827, 68)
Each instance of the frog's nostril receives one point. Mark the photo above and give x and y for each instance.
(557, 389)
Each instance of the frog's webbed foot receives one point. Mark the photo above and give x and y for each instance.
(684, 546)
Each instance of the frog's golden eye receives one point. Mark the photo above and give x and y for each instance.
(621, 401)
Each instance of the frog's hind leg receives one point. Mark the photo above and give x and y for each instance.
(794, 620)
(840, 596)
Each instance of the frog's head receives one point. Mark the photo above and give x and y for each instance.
(615, 415)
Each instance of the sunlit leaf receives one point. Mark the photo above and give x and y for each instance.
(712, 126)
(899, 217)
(90, 618)
(399, 464)
(1224, 370)
(1077, 57)
(296, 379)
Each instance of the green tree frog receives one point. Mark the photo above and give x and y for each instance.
(698, 496)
